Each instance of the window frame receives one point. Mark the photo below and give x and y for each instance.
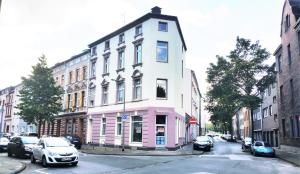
(118, 91)
(104, 93)
(137, 53)
(132, 127)
(106, 45)
(121, 38)
(106, 64)
(121, 59)
(160, 47)
(119, 123)
(135, 87)
(162, 23)
(137, 33)
(162, 98)
(103, 126)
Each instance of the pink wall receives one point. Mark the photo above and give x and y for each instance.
(148, 129)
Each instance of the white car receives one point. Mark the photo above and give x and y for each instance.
(55, 150)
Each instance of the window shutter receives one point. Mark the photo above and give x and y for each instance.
(80, 99)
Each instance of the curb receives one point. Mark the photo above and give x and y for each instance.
(115, 154)
(19, 169)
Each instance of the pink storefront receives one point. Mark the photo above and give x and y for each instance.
(146, 128)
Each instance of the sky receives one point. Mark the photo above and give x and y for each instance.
(60, 29)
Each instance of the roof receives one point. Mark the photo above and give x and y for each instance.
(139, 21)
(72, 58)
(295, 5)
(277, 50)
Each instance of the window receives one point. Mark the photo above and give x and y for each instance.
(137, 89)
(93, 69)
(283, 127)
(69, 103)
(92, 96)
(136, 128)
(138, 53)
(104, 94)
(75, 101)
(162, 51)
(274, 100)
(70, 77)
(163, 26)
(106, 65)
(94, 51)
(138, 30)
(121, 38)
(77, 75)
(265, 112)
(292, 127)
(161, 88)
(281, 93)
(120, 91)
(119, 126)
(292, 91)
(270, 110)
(84, 69)
(297, 121)
(82, 99)
(62, 80)
(106, 45)
(103, 126)
(279, 63)
(289, 54)
(121, 56)
(287, 22)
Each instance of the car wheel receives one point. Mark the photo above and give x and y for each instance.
(44, 162)
(208, 149)
(75, 163)
(194, 147)
(9, 153)
(32, 159)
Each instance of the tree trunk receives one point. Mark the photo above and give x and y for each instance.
(252, 126)
(39, 128)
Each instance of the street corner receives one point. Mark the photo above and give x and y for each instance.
(10, 166)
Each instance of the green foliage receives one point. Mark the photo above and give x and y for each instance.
(236, 80)
(40, 98)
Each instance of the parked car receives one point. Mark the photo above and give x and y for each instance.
(246, 144)
(262, 148)
(211, 140)
(202, 142)
(74, 139)
(55, 150)
(3, 144)
(30, 134)
(21, 146)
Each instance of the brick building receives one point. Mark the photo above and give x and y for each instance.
(288, 76)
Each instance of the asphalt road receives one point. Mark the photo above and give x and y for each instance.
(225, 158)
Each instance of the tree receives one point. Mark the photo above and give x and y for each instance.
(40, 98)
(222, 95)
(237, 80)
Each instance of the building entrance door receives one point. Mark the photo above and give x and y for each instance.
(161, 130)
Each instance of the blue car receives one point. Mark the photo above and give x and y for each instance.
(262, 148)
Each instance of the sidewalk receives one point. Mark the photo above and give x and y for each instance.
(10, 166)
(185, 150)
(292, 157)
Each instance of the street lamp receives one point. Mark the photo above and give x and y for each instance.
(123, 115)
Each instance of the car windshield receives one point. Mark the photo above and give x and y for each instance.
(57, 142)
(30, 140)
(267, 145)
(202, 139)
(3, 139)
(258, 144)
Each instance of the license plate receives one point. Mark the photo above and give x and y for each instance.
(66, 159)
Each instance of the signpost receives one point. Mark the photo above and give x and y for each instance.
(193, 120)
(124, 117)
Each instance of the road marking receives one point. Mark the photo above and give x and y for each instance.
(39, 171)
(202, 173)
(231, 157)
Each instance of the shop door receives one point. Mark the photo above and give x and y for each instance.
(161, 130)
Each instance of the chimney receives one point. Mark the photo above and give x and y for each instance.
(156, 10)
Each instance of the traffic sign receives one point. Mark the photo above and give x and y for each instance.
(193, 120)
(125, 117)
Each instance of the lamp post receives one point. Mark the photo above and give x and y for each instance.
(123, 120)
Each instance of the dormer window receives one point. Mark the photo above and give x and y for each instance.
(106, 45)
(138, 30)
